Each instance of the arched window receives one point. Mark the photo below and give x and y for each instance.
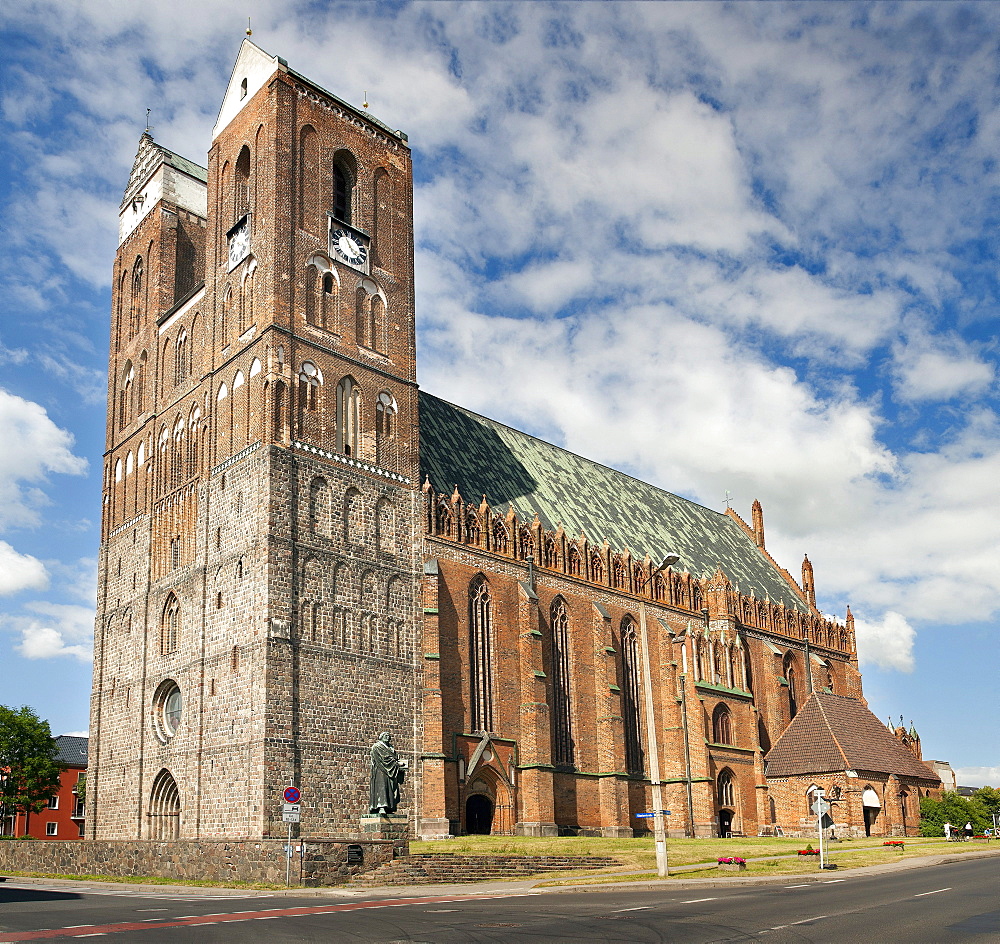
(164, 808)
(177, 454)
(170, 626)
(181, 356)
(812, 795)
(619, 577)
(138, 298)
(140, 385)
(385, 424)
(443, 519)
(241, 181)
(789, 667)
(319, 507)
(630, 686)
(527, 543)
(376, 323)
(725, 789)
(362, 318)
(354, 517)
(344, 175)
(501, 540)
(481, 655)
(574, 565)
(722, 725)
(828, 676)
(596, 568)
(550, 554)
(562, 724)
(310, 380)
(473, 532)
(125, 396)
(348, 416)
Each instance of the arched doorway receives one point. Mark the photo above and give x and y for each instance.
(164, 808)
(871, 805)
(479, 815)
(725, 822)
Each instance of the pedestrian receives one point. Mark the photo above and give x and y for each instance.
(967, 832)
(947, 830)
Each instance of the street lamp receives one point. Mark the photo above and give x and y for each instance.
(659, 834)
(681, 637)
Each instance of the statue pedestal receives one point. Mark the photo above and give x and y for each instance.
(385, 826)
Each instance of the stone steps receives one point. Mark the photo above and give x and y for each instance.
(443, 868)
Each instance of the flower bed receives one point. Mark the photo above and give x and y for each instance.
(732, 864)
(809, 851)
(894, 842)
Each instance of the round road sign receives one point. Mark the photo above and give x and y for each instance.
(292, 794)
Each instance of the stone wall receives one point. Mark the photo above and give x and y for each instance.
(248, 860)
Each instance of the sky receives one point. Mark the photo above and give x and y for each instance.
(740, 250)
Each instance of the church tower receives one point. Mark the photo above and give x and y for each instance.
(258, 568)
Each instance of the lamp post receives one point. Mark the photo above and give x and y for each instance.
(659, 834)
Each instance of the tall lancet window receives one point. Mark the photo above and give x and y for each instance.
(562, 720)
(630, 698)
(481, 655)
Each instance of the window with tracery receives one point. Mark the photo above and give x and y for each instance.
(343, 185)
(574, 563)
(725, 790)
(596, 568)
(722, 725)
(501, 540)
(481, 655)
(793, 703)
(170, 626)
(310, 380)
(562, 722)
(631, 688)
(551, 554)
(348, 416)
(181, 356)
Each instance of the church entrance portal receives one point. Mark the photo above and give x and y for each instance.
(725, 822)
(479, 815)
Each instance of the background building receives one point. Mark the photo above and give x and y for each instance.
(63, 818)
(300, 551)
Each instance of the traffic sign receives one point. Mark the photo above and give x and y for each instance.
(821, 806)
(292, 794)
(651, 815)
(290, 814)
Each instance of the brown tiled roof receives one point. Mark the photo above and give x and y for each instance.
(832, 732)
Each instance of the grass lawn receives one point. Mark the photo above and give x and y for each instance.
(638, 854)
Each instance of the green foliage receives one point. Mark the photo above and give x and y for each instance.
(29, 772)
(990, 798)
(954, 809)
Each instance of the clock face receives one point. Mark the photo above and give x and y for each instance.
(348, 248)
(239, 246)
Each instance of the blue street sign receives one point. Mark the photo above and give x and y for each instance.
(651, 815)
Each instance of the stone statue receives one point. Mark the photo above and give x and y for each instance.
(387, 773)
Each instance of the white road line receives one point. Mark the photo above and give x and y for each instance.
(833, 881)
(694, 901)
(642, 908)
(935, 892)
(803, 885)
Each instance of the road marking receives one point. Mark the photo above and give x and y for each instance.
(643, 907)
(833, 881)
(694, 901)
(935, 892)
(803, 885)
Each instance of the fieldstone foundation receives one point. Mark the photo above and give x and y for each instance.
(322, 862)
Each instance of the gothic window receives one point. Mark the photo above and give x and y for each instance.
(140, 384)
(550, 554)
(659, 588)
(828, 676)
(722, 725)
(725, 789)
(385, 535)
(241, 181)
(481, 655)
(138, 309)
(376, 323)
(310, 380)
(344, 174)
(789, 668)
(382, 229)
(348, 416)
(501, 540)
(362, 317)
(164, 808)
(170, 626)
(812, 795)
(125, 395)
(443, 522)
(385, 425)
(175, 552)
(575, 565)
(181, 358)
(473, 533)
(354, 517)
(319, 507)
(177, 455)
(562, 726)
(631, 687)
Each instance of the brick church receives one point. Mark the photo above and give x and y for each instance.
(301, 550)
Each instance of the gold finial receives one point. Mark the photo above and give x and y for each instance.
(365, 102)
(249, 31)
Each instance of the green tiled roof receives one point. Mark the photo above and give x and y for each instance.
(483, 457)
(186, 166)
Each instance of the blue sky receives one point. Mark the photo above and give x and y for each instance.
(730, 248)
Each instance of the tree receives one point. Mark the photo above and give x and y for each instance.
(954, 809)
(990, 798)
(29, 771)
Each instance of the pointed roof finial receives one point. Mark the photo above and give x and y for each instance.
(148, 110)
(365, 102)
(249, 31)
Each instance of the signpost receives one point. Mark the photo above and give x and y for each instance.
(290, 813)
(820, 807)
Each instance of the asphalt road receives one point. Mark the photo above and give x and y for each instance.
(933, 905)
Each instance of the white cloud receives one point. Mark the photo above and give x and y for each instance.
(939, 367)
(978, 776)
(887, 643)
(55, 629)
(76, 734)
(20, 571)
(33, 447)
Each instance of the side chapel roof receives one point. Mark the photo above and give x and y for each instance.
(833, 732)
(72, 750)
(484, 457)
